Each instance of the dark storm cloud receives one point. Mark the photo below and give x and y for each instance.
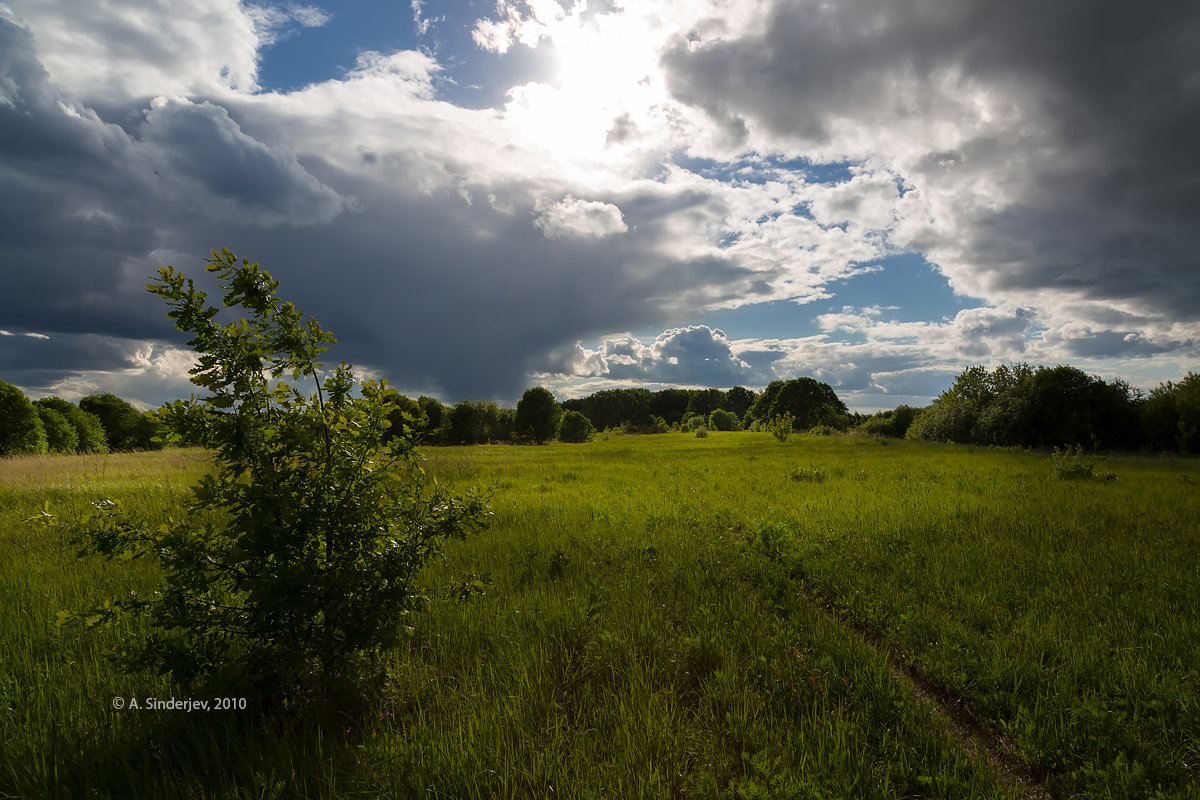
(454, 299)
(85, 205)
(1090, 152)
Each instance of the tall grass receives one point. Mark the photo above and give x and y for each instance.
(669, 616)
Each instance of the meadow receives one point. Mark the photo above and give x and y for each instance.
(672, 616)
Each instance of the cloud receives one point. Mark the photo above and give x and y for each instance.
(695, 355)
(574, 217)
(680, 157)
(109, 50)
(1045, 153)
(230, 175)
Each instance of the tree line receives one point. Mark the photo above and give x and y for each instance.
(1015, 405)
(99, 423)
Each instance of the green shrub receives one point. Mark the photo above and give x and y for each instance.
(807, 474)
(721, 420)
(1072, 464)
(782, 426)
(575, 427)
(822, 430)
(702, 433)
(292, 567)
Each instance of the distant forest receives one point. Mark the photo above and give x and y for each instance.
(1010, 406)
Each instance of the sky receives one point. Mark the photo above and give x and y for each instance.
(479, 197)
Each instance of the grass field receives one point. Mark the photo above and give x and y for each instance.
(670, 616)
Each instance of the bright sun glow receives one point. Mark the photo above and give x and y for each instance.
(601, 99)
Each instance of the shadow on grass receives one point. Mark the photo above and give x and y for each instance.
(214, 754)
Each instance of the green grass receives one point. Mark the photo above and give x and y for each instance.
(670, 616)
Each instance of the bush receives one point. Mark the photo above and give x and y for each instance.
(702, 433)
(575, 427)
(1072, 464)
(292, 568)
(124, 428)
(947, 420)
(894, 423)
(60, 434)
(21, 430)
(806, 474)
(538, 415)
(88, 430)
(722, 420)
(781, 426)
(823, 430)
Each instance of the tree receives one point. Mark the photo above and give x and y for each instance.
(575, 427)
(60, 434)
(122, 422)
(21, 431)
(739, 399)
(404, 415)
(782, 426)
(1171, 415)
(947, 420)
(88, 430)
(894, 423)
(293, 565)
(705, 401)
(538, 415)
(721, 420)
(469, 422)
(809, 401)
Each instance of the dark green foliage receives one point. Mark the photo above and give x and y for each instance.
(505, 425)
(292, 567)
(1171, 415)
(1023, 406)
(88, 430)
(670, 404)
(60, 434)
(738, 400)
(404, 415)
(434, 412)
(123, 426)
(721, 420)
(894, 423)
(947, 420)
(473, 422)
(705, 401)
(575, 427)
(613, 408)
(635, 409)
(21, 430)
(808, 401)
(148, 433)
(538, 415)
(694, 422)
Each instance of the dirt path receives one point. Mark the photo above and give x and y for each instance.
(972, 734)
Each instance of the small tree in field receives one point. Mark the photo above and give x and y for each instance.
(292, 567)
(782, 426)
(575, 427)
(538, 415)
